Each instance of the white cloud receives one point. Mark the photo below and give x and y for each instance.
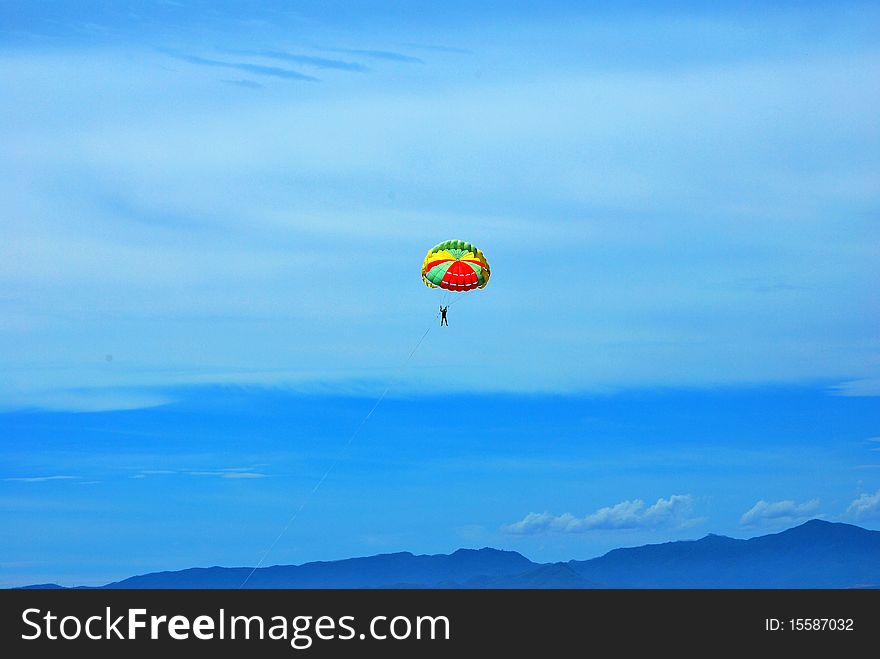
(858, 388)
(239, 474)
(779, 512)
(144, 473)
(229, 473)
(867, 506)
(671, 512)
(41, 479)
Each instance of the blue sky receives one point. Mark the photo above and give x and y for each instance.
(213, 218)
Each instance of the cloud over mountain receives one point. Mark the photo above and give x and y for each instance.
(778, 512)
(867, 506)
(673, 511)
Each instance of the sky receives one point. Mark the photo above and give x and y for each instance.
(212, 219)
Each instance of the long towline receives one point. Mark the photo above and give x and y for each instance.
(335, 462)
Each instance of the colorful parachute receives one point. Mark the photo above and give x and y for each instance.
(455, 266)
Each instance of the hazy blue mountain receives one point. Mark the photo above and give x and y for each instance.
(385, 570)
(551, 575)
(816, 554)
(43, 586)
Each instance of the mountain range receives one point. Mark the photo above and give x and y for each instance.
(816, 554)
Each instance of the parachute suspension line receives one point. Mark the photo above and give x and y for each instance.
(336, 461)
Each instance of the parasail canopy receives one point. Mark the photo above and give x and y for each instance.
(455, 265)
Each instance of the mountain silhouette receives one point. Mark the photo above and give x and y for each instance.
(551, 575)
(816, 554)
(399, 570)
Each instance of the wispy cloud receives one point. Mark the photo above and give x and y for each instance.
(318, 62)
(858, 388)
(228, 472)
(671, 512)
(41, 479)
(259, 69)
(867, 506)
(387, 55)
(779, 512)
(233, 472)
(144, 473)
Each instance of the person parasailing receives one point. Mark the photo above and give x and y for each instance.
(455, 266)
